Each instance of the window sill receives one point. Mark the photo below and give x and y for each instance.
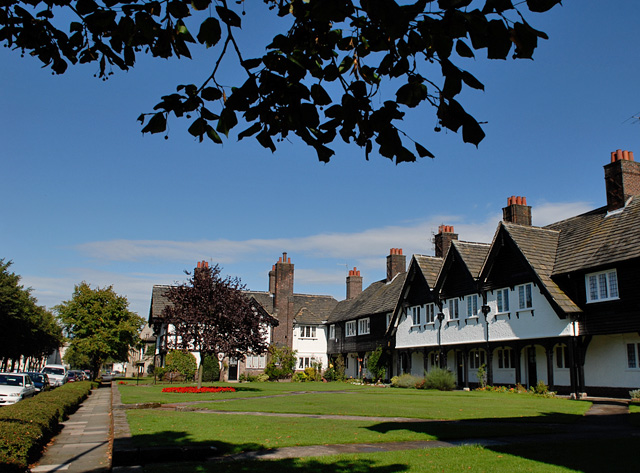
(524, 311)
(473, 318)
(503, 314)
(603, 300)
(453, 321)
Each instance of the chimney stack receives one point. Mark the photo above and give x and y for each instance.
(442, 240)
(622, 179)
(396, 263)
(354, 283)
(517, 211)
(283, 300)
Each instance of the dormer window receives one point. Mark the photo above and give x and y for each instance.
(602, 286)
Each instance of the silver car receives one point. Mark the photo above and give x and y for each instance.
(14, 387)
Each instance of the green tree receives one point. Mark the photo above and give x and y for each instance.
(183, 362)
(376, 364)
(321, 76)
(281, 362)
(209, 315)
(28, 330)
(99, 325)
(210, 368)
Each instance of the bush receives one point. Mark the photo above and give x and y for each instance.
(26, 427)
(183, 362)
(440, 379)
(210, 368)
(635, 395)
(541, 389)
(406, 380)
(282, 362)
(376, 364)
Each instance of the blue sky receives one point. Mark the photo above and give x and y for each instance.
(87, 197)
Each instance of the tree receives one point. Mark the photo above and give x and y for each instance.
(323, 75)
(28, 330)
(210, 315)
(376, 364)
(182, 362)
(282, 362)
(99, 326)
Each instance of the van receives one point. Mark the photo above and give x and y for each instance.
(57, 374)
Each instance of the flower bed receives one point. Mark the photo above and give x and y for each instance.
(194, 390)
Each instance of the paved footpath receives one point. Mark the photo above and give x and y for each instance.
(83, 445)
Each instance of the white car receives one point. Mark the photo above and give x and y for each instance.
(14, 387)
(57, 374)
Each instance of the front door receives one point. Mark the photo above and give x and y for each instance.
(233, 369)
(532, 369)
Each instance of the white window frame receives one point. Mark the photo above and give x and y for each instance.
(502, 300)
(633, 356)
(416, 315)
(255, 362)
(308, 331)
(472, 305)
(364, 326)
(305, 362)
(454, 309)
(561, 357)
(602, 286)
(350, 328)
(506, 358)
(525, 296)
(477, 358)
(332, 331)
(430, 316)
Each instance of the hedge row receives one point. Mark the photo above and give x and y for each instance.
(27, 426)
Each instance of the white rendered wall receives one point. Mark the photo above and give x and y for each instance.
(606, 362)
(315, 347)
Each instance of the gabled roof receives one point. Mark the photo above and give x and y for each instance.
(538, 246)
(379, 297)
(470, 255)
(430, 267)
(158, 302)
(598, 238)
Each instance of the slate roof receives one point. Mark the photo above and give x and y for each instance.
(379, 297)
(158, 302)
(430, 267)
(539, 247)
(473, 254)
(598, 238)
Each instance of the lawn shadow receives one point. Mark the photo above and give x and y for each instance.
(171, 446)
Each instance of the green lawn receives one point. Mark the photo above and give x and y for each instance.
(370, 401)
(236, 433)
(609, 456)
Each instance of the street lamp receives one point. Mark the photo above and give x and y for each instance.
(440, 319)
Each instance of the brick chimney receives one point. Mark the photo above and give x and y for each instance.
(272, 280)
(517, 211)
(442, 240)
(622, 178)
(201, 266)
(354, 283)
(283, 301)
(396, 263)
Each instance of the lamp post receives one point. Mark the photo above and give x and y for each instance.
(485, 311)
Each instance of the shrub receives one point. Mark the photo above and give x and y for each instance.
(440, 379)
(210, 368)
(339, 368)
(541, 389)
(482, 375)
(635, 395)
(406, 380)
(376, 361)
(26, 427)
(183, 362)
(282, 362)
(299, 377)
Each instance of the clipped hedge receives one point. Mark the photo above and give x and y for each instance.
(27, 426)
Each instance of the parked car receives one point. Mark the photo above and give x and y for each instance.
(14, 387)
(40, 381)
(74, 375)
(57, 374)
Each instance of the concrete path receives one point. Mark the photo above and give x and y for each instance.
(83, 445)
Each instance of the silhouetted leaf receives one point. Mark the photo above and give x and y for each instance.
(210, 32)
(228, 16)
(157, 124)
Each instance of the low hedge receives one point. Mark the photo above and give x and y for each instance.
(27, 426)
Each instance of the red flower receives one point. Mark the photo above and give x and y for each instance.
(194, 390)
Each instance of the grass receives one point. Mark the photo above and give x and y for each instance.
(611, 456)
(235, 433)
(367, 401)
